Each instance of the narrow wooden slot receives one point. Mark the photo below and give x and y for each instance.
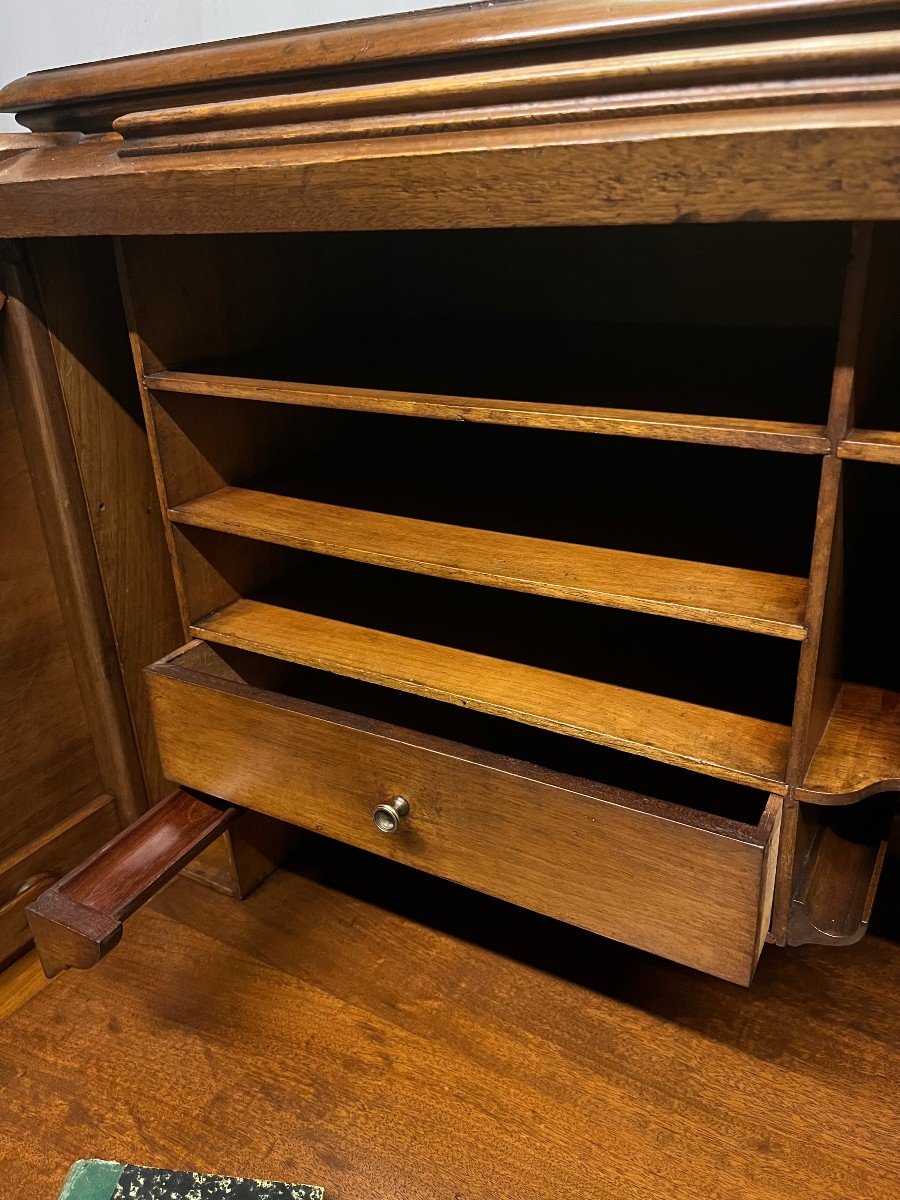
(756, 601)
(872, 445)
(821, 657)
(783, 436)
(873, 434)
(723, 744)
(836, 893)
(838, 878)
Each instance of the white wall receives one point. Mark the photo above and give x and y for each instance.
(37, 34)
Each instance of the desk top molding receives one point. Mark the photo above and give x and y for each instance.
(538, 112)
(86, 96)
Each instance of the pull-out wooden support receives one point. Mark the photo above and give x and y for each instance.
(79, 919)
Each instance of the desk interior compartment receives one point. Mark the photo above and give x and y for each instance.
(723, 334)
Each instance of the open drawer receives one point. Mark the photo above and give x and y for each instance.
(695, 886)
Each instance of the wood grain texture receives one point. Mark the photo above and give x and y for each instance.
(818, 677)
(15, 938)
(808, 160)
(770, 828)
(203, 272)
(790, 437)
(53, 812)
(35, 388)
(712, 98)
(793, 58)
(83, 308)
(820, 663)
(859, 752)
(728, 746)
(274, 60)
(48, 765)
(45, 859)
(872, 445)
(246, 853)
(251, 847)
(18, 143)
(832, 904)
(727, 596)
(825, 162)
(19, 982)
(405, 1009)
(77, 920)
(612, 862)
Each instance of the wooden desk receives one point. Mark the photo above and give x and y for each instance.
(513, 492)
(406, 1037)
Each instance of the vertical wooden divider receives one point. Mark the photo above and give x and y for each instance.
(254, 845)
(140, 355)
(818, 675)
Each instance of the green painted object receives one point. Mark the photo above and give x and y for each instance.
(95, 1179)
(91, 1179)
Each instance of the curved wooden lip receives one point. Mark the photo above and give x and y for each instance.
(858, 754)
(852, 795)
(460, 30)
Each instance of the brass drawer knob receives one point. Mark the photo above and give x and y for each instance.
(387, 817)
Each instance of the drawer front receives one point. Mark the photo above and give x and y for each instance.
(692, 887)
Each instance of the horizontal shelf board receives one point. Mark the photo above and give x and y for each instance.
(783, 436)
(872, 445)
(859, 752)
(715, 595)
(722, 744)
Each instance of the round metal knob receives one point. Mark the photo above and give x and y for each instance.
(387, 817)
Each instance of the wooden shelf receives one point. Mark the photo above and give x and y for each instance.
(872, 445)
(722, 744)
(715, 595)
(859, 753)
(782, 436)
(750, 387)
